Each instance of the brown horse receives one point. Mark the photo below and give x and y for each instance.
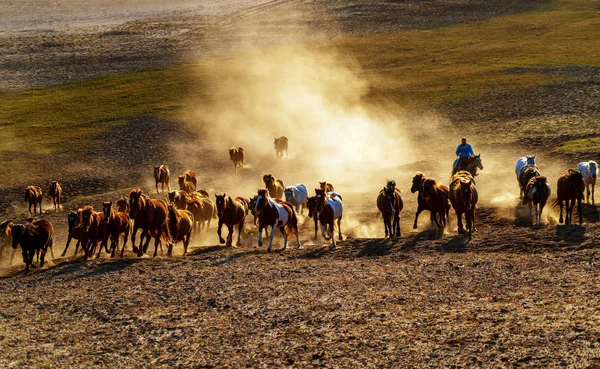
(179, 198)
(236, 154)
(436, 197)
(329, 209)
(33, 195)
(150, 216)
(185, 184)
(389, 203)
(180, 223)
(570, 188)
(311, 205)
(6, 236)
(537, 192)
(203, 210)
(55, 192)
(274, 185)
(123, 205)
(231, 212)
(464, 197)
(161, 175)
(328, 187)
(94, 231)
(75, 230)
(473, 163)
(33, 236)
(281, 145)
(278, 214)
(117, 223)
(528, 171)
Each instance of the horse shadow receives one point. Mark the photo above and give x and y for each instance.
(426, 235)
(457, 243)
(240, 254)
(206, 250)
(571, 233)
(590, 212)
(377, 247)
(318, 252)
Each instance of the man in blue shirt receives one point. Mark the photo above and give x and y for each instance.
(463, 151)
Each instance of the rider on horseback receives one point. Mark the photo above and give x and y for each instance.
(463, 151)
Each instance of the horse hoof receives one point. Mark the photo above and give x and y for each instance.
(414, 226)
(560, 220)
(238, 244)
(260, 243)
(222, 241)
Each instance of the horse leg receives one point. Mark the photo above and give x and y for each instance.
(560, 218)
(284, 233)
(330, 232)
(316, 225)
(67, 246)
(460, 223)
(385, 225)
(240, 228)
(587, 193)
(229, 235)
(221, 240)
(323, 231)
(579, 211)
(133, 247)
(273, 230)
(339, 222)
(157, 243)
(397, 223)
(593, 185)
(260, 230)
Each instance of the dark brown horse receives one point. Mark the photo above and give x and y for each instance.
(123, 205)
(527, 172)
(33, 195)
(180, 224)
(311, 205)
(473, 163)
(281, 145)
(236, 154)
(464, 197)
(33, 236)
(117, 223)
(329, 208)
(231, 212)
(570, 188)
(55, 192)
(389, 203)
(537, 193)
(75, 230)
(274, 185)
(161, 175)
(417, 186)
(436, 197)
(278, 214)
(94, 231)
(328, 187)
(151, 217)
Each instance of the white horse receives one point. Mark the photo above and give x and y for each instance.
(277, 215)
(589, 170)
(297, 195)
(521, 163)
(329, 210)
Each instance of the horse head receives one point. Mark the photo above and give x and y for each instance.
(220, 204)
(86, 217)
(530, 159)
(478, 163)
(289, 194)
(540, 184)
(122, 205)
(157, 173)
(268, 180)
(28, 193)
(321, 199)
(390, 193)
(261, 200)
(136, 202)
(53, 187)
(322, 185)
(429, 186)
(311, 204)
(106, 209)
(417, 182)
(72, 220)
(18, 232)
(171, 195)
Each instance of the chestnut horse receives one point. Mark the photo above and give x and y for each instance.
(231, 212)
(537, 193)
(275, 186)
(161, 175)
(203, 211)
(464, 197)
(33, 236)
(6, 237)
(180, 224)
(328, 187)
(329, 208)
(436, 197)
(55, 192)
(75, 230)
(94, 231)
(188, 181)
(151, 217)
(281, 145)
(123, 205)
(236, 154)
(278, 214)
(570, 188)
(33, 195)
(117, 223)
(389, 203)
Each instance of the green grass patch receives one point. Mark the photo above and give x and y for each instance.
(584, 145)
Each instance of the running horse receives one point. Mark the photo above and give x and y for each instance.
(150, 216)
(436, 198)
(33, 195)
(188, 181)
(117, 223)
(6, 238)
(464, 197)
(417, 186)
(180, 223)
(328, 187)
(33, 237)
(589, 171)
(231, 212)
(74, 230)
(329, 208)
(236, 154)
(55, 192)
(281, 145)
(389, 203)
(275, 186)
(524, 162)
(297, 195)
(527, 172)
(569, 189)
(473, 163)
(94, 231)
(278, 214)
(161, 175)
(537, 193)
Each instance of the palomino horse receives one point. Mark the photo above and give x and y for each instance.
(274, 185)
(569, 189)
(389, 203)
(527, 172)
(278, 214)
(231, 212)
(329, 208)
(473, 163)
(589, 171)
(33, 236)
(75, 230)
(436, 197)
(328, 187)
(33, 195)
(161, 175)
(537, 192)
(297, 195)
(55, 192)
(123, 205)
(150, 216)
(236, 154)
(180, 223)
(281, 145)
(117, 223)
(94, 230)
(464, 197)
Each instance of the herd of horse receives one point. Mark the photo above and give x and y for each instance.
(190, 210)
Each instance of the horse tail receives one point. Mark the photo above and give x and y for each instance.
(292, 225)
(378, 215)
